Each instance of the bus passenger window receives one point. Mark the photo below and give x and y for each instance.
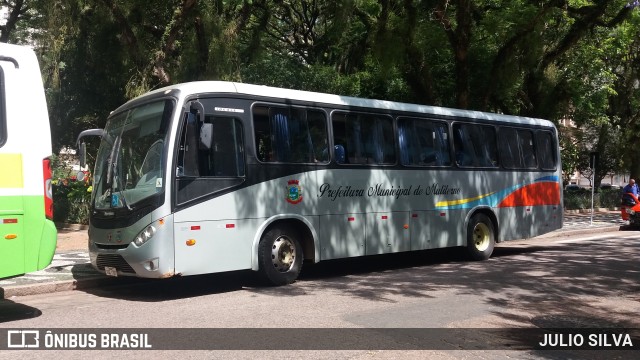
(366, 138)
(423, 142)
(517, 149)
(3, 121)
(225, 156)
(475, 145)
(546, 152)
(525, 137)
(290, 135)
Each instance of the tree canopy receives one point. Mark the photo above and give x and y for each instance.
(565, 60)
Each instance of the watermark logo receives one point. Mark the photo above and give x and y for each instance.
(23, 339)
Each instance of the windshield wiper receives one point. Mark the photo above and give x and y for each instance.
(111, 167)
(111, 172)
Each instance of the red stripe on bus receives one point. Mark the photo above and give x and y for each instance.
(542, 193)
(9, 221)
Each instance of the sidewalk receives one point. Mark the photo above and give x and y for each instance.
(70, 268)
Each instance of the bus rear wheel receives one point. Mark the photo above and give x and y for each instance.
(480, 237)
(280, 255)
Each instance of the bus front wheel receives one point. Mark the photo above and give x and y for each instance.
(480, 237)
(280, 255)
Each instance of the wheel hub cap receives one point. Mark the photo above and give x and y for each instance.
(283, 254)
(481, 237)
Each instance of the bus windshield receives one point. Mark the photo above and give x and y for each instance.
(131, 162)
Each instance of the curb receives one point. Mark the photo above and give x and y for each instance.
(75, 227)
(586, 230)
(588, 211)
(65, 285)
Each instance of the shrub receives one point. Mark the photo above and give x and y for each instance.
(71, 198)
(574, 200)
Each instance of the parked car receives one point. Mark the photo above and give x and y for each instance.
(577, 189)
(609, 187)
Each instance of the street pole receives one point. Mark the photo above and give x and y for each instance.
(593, 189)
(593, 158)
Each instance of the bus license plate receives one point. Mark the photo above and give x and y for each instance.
(110, 271)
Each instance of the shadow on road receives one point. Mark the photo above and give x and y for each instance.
(12, 311)
(596, 279)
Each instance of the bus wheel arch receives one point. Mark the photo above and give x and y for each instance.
(481, 235)
(281, 249)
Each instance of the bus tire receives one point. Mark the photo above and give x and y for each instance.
(280, 255)
(480, 237)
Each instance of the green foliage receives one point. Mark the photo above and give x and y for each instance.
(71, 201)
(576, 200)
(71, 198)
(573, 60)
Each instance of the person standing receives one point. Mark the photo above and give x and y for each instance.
(631, 188)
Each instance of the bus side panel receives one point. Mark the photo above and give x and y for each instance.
(518, 220)
(12, 244)
(387, 233)
(48, 240)
(342, 236)
(214, 246)
(437, 229)
(12, 237)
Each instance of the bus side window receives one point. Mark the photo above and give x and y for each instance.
(525, 138)
(366, 138)
(475, 145)
(188, 151)
(290, 134)
(339, 154)
(3, 120)
(545, 147)
(225, 158)
(423, 142)
(463, 155)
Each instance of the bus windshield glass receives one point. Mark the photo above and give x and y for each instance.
(131, 161)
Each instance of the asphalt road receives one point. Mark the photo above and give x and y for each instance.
(579, 282)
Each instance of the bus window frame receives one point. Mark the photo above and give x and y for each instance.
(553, 153)
(269, 105)
(533, 131)
(447, 127)
(495, 128)
(377, 114)
(177, 203)
(3, 110)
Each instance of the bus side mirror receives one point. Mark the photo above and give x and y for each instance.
(82, 153)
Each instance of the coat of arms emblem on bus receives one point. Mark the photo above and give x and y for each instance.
(294, 192)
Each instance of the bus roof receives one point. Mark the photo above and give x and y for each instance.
(204, 87)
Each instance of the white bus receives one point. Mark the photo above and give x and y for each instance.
(208, 177)
(27, 232)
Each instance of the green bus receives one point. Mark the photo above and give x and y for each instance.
(27, 232)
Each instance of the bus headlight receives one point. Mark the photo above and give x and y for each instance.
(145, 235)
